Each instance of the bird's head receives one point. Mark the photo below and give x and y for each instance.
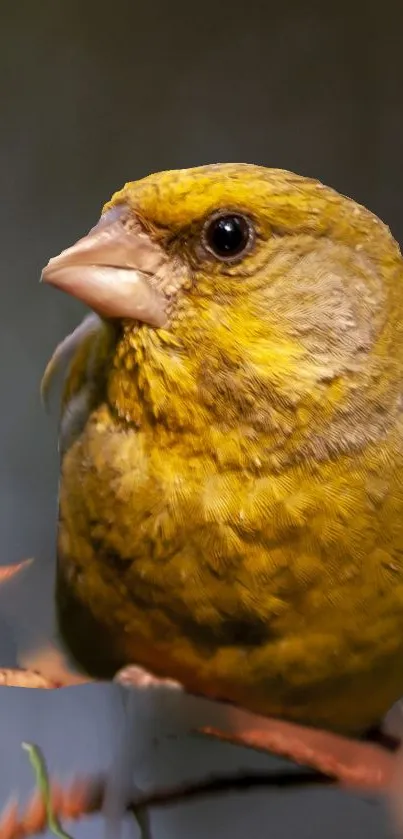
(256, 292)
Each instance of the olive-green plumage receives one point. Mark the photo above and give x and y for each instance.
(231, 502)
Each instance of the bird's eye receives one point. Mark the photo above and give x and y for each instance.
(228, 235)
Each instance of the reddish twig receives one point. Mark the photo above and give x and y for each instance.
(7, 572)
(19, 678)
(352, 763)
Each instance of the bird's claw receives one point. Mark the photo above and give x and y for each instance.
(138, 677)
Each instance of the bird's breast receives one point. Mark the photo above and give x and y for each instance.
(241, 583)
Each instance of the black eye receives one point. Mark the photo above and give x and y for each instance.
(228, 235)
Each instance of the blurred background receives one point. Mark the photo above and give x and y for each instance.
(93, 94)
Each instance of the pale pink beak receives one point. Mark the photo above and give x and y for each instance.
(112, 270)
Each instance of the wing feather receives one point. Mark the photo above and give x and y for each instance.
(79, 363)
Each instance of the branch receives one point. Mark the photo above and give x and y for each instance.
(84, 796)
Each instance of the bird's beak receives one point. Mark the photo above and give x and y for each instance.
(113, 270)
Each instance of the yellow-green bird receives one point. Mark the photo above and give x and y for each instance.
(231, 494)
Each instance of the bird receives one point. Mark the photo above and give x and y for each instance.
(231, 428)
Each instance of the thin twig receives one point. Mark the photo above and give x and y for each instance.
(19, 678)
(7, 572)
(352, 763)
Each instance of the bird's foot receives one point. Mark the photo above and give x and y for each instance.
(138, 677)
